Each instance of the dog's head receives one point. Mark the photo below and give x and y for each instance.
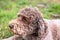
(28, 22)
(33, 17)
(20, 28)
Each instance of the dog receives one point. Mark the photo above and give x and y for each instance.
(31, 25)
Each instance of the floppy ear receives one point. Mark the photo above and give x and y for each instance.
(41, 25)
(40, 19)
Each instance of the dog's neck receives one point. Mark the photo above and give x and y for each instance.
(39, 35)
(42, 35)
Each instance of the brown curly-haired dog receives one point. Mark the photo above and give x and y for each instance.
(32, 26)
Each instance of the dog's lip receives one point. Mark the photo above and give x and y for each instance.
(21, 36)
(18, 35)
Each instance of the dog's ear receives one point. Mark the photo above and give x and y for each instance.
(42, 26)
(40, 19)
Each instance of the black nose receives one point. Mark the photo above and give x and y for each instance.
(11, 26)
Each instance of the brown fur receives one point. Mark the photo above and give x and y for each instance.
(32, 26)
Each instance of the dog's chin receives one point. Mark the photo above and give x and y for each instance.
(22, 36)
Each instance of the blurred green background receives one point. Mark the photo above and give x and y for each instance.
(10, 8)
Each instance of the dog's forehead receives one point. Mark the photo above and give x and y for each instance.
(27, 11)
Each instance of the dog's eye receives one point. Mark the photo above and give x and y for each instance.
(11, 26)
(24, 19)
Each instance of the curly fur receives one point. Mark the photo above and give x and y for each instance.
(32, 26)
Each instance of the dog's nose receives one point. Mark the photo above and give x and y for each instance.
(11, 26)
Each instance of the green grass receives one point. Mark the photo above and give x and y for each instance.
(10, 8)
